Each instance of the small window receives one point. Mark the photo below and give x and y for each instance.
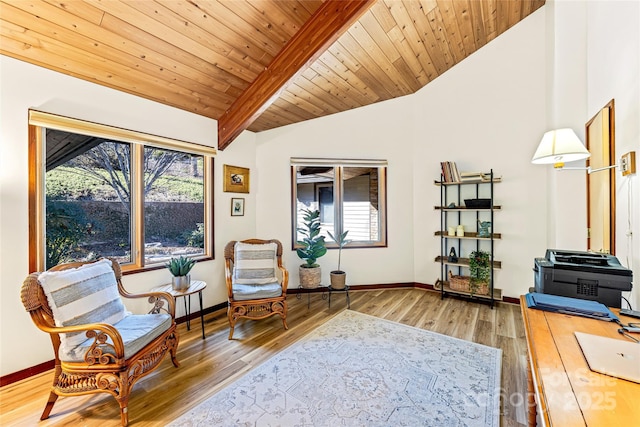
(349, 194)
(103, 191)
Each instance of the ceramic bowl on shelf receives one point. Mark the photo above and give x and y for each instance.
(477, 203)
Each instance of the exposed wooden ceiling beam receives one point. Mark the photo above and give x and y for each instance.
(324, 27)
(200, 56)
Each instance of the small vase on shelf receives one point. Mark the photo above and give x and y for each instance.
(483, 228)
(453, 257)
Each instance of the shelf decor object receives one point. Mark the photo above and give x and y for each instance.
(483, 228)
(477, 203)
(464, 285)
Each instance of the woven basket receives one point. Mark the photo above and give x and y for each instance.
(463, 284)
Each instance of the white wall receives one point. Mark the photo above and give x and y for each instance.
(25, 86)
(380, 131)
(597, 58)
(487, 112)
(567, 94)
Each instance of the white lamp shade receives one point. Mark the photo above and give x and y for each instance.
(559, 146)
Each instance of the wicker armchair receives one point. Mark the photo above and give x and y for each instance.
(254, 290)
(111, 357)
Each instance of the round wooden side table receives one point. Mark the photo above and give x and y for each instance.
(196, 286)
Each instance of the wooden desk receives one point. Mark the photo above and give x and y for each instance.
(567, 392)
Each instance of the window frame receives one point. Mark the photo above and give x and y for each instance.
(338, 197)
(40, 121)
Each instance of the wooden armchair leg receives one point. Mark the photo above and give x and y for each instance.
(283, 313)
(52, 396)
(232, 323)
(173, 350)
(124, 415)
(174, 360)
(123, 398)
(231, 327)
(49, 406)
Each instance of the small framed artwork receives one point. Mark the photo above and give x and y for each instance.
(236, 179)
(237, 207)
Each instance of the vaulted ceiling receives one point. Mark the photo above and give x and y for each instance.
(255, 64)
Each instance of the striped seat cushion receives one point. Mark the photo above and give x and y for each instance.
(87, 294)
(254, 264)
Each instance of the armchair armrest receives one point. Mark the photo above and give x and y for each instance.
(100, 332)
(228, 269)
(285, 278)
(158, 300)
(155, 298)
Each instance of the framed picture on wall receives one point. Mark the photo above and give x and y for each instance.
(237, 207)
(236, 179)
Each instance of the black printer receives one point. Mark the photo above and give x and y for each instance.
(585, 275)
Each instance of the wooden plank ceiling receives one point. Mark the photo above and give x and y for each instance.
(203, 55)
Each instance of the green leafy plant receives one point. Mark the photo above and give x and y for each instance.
(479, 269)
(180, 266)
(195, 238)
(66, 227)
(342, 241)
(313, 244)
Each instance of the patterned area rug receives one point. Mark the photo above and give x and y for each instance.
(359, 370)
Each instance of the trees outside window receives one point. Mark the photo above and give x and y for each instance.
(140, 204)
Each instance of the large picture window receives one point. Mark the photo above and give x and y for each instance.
(349, 194)
(104, 191)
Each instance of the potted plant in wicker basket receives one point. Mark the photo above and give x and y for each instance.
(480, 272)
(339, 277)
(313, 247)
(180, 268)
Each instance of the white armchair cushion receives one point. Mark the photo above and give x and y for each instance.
(87, 294)
(254, 264)
(243, 292)
(136, 330)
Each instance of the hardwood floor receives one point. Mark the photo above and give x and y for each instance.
(207, 365)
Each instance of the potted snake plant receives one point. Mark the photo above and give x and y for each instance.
(180, 268)
(339, 277)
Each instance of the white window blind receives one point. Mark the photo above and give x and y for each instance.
(68, 124)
